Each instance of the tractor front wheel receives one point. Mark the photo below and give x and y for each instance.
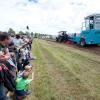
(82, 43)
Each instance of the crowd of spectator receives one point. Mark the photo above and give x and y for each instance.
(15, 66)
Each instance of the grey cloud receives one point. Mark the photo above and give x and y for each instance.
(78, 4)
(35, 1)
(21, 4)
(24, 4)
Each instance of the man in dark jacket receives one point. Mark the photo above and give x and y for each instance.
(4, 57)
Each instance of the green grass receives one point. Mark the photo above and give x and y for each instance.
(64, 73)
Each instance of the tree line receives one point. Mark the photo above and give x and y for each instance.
(32, 34)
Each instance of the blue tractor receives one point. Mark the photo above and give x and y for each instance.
(91, 34)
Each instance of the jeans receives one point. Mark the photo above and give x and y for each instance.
(2, 92)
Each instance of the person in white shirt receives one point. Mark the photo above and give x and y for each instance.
(18, 41)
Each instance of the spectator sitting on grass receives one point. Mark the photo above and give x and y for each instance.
(28, 68)
(21, 85)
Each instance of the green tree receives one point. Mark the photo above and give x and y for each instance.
(27, 33)
(36, 35)
(11, 31)
(21, 32)
(32, 34)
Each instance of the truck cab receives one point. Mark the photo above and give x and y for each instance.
(91, 33)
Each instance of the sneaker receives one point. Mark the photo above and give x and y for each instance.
(33, 58)
(18, 98)
(8, 98)
(28, 92)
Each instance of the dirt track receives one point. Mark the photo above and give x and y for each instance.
(92, 49)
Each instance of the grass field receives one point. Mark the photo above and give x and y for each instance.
(64, 73)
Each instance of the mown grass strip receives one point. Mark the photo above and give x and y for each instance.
(87, 77)
(42, 83)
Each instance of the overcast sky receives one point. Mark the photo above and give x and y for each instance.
(46, 16)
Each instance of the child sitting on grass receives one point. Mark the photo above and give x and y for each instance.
(27, 68)
(21, 85)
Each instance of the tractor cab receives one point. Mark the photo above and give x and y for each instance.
(91, 34)
(92, 22)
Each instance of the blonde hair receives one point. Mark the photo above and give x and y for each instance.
(28, 67)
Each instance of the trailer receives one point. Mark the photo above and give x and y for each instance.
(90, 33)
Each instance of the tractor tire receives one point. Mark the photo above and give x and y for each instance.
(57, 40)
(82, 43)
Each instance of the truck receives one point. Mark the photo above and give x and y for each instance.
(90, 32)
